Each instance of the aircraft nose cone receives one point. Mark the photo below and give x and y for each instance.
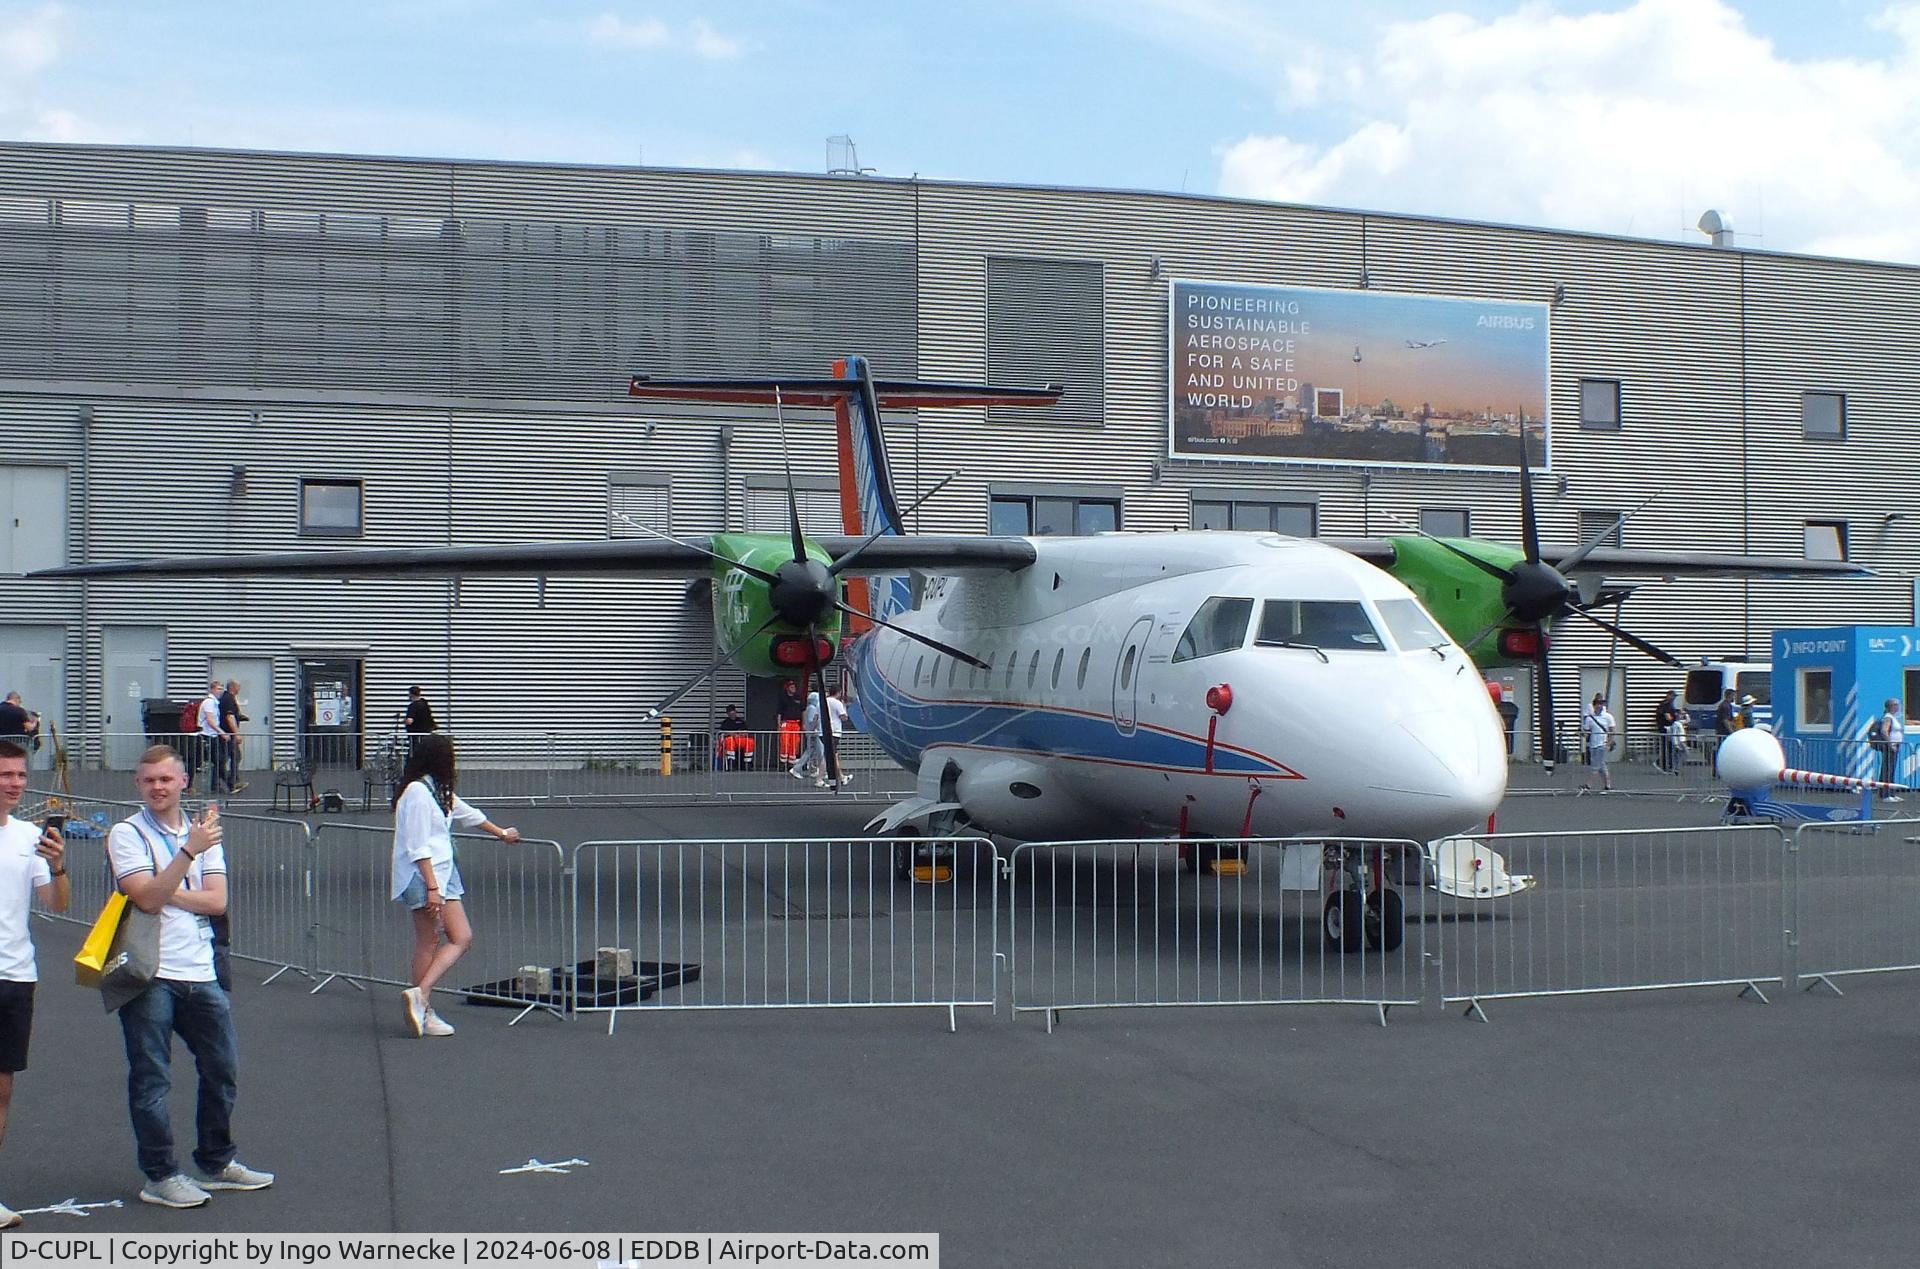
(1449, 767)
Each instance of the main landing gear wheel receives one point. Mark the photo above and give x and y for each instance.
(1386, 921)
(1341, 921)
(905, 853)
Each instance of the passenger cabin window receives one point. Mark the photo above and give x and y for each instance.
(1126, 670)
(1033, 670)
(1338, 625)
(919, 671)
(1013, 663)
(1410, 626)
(1220, 625)
(1086, 657)
(1059, 659)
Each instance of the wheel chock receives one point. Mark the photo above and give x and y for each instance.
(932, 874)
(1229, 867)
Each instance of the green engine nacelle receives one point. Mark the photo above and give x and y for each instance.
(742, 604)
(1462, 598)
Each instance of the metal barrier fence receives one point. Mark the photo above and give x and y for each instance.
(267, 877)
(1117, 924)
(535, 767)
(817, 923)
(1622, 911)
(1856, 900)
(516, 900)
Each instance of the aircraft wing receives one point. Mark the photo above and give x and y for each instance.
(623, 557)
(1632, 562)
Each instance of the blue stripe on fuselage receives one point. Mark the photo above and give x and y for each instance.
(906, 726)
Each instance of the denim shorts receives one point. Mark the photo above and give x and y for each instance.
(415, 895)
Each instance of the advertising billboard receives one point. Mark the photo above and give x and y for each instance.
(1302, 374)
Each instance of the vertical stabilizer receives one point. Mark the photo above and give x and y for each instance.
(867, 504)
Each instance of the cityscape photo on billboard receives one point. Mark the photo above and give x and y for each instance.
(1301, 374)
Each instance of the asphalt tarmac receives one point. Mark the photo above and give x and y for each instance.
(1689, 1127)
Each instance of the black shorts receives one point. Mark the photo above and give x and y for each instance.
(16, 1024)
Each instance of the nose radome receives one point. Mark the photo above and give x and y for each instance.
(1471, 757)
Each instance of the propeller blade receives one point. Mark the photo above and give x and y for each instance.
(709, 672)
(1485, 566)
(917, 637)
(1634, 639)
(819, 679)
(1491, 626)
(1529, 525)
(1591, 545)
(1543, 697)
(846, 561)
(793, 499)
(748, 569)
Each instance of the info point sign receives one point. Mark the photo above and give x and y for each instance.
(1304, 374)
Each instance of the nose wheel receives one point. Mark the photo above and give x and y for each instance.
(1378, 921)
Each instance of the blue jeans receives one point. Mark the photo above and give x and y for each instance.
(199, 1012)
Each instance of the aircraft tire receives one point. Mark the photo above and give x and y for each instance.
(1386, 921)
(904, 851)
(1342, 920)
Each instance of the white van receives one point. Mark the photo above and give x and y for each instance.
(1707, 681)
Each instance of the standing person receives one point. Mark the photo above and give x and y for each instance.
(792, 710)
(426, 875)
(1598, 725)
(419, 716)
(213, 741)
(1887, 734)
(18, 723)
(166, 864)
(1665, 714)
(813, 758)
(838, 720)
(31, 866)
(1726, 716)
(230, 720)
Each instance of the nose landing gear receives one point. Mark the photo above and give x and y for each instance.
(1361, 909)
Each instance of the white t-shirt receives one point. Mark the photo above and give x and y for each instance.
(837, 711)
(421, 830)
(1599, 726)
(20, 871)
(140, 843)
(1893, 728)
(210, 716)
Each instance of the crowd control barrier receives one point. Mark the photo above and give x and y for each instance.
(800, 924)
(1125, 924)
(1856, 906)
(1621, 911)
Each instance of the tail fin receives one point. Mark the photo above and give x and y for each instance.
(867, 504)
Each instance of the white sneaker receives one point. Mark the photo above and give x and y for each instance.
(9, 1218)
(235, 1176)
(846, 780)
(1894, 798)
(177, 1190)
(435, 1024)
(415, 1002)
(796, 773)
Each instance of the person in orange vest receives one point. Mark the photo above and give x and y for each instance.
(792, 710)
(736, 742)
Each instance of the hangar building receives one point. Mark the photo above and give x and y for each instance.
(209, 351)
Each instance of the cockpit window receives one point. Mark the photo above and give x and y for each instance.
(1333, 624)
(1220, 625)
(1410, 626)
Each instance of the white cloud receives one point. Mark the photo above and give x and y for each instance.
(610, 30)
(1630, 120)
(31, 42)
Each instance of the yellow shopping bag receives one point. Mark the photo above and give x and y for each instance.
(87, 966)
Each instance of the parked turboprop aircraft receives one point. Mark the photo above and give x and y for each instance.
(1425, 343)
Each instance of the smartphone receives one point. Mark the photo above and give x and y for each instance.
(56, 820)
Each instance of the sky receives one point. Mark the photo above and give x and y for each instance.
(1799, 120)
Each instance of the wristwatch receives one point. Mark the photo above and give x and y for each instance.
(58, 872)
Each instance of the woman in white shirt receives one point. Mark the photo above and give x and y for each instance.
(426, 875)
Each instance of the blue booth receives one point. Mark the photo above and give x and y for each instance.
(1831, 683)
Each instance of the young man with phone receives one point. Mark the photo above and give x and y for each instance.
(167, 864)
(31, 866)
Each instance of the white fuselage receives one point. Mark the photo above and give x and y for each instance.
(1094, 721)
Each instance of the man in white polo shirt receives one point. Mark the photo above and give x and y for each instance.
(167, 864)
(31, 864)
(213, 742)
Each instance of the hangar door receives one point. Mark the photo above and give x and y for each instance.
(33, 519)
(33, 662)
(135, 669)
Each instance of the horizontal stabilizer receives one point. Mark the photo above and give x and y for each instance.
(897, 394)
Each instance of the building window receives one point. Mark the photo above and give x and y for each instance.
(1605, 525)
(1255, 515)
(1048, 515)
(1912, 695)
(1045, 324)
(817, 496)
(331, 508)
(1826, 539)
(1600, 405)
(1816, 698)
(1445, 522)
(1823, 416)
(637, 502)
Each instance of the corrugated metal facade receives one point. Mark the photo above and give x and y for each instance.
(191, 333)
